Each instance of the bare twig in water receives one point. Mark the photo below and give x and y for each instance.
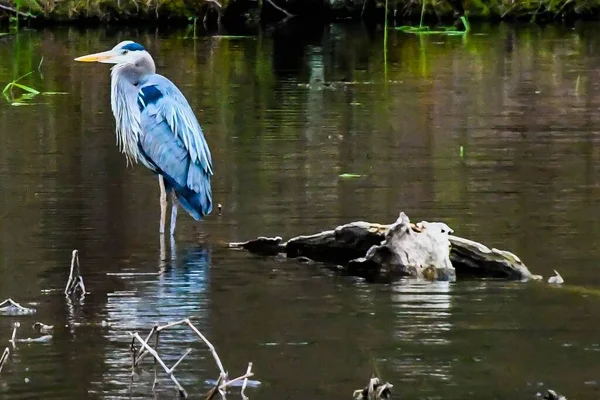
(222, 381)
(143, 351)
(248, 371)
(9, 306)
(186, 321)
(212, 392)
(4, 358)
(156, 338)
(375, 390)
(13, 337)
(168, 370)
(133, 350)
(244, 377)
(75, 280)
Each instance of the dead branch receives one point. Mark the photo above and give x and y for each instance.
(375, 390)
(143, 351)
(210, 347)
(13, 337)
(4, 358)
(212, 392)
(222, 381)
(287, 13)
(239, 378)
(248, 371)
(7, 8)
(133, 350)
(186, 321)
(168, 370)
(75, 279)
(9, 306)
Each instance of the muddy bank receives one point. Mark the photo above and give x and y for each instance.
(381, 253)
(239, 13)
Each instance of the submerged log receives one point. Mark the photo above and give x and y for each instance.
(379, 252)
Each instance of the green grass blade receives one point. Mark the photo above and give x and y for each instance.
(349, 176)
(26, 88)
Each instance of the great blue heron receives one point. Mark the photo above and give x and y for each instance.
(156, 126)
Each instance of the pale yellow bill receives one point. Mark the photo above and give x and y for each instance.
(96, 57)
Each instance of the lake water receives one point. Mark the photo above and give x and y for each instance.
(285, 114)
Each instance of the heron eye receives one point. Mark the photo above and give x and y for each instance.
(125, 52)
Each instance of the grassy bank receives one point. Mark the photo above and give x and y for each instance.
(240, 12)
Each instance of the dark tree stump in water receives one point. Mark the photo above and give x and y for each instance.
(379, 252)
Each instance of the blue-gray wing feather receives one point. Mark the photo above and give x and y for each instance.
(173, 144)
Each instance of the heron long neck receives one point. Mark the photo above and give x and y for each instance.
(127, 115)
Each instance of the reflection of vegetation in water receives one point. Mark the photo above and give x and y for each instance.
(191, 28)
(445, 30)
(19, 94)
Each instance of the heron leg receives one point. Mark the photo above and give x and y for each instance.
(163, 203)
(174, 206)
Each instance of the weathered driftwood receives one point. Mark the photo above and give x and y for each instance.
(406, 252)
(381, 252)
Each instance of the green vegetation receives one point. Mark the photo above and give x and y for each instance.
(19, 94)
(444, 30)
(349, 176)
(28, 93)
(401, 10)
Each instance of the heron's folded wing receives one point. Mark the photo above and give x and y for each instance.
(161, 103)
(172, 142)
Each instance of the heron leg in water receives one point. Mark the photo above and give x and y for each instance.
(163, 203)
(174, 205)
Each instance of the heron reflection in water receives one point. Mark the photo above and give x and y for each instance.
(156, 126)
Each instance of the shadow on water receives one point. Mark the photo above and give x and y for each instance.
(521, 101)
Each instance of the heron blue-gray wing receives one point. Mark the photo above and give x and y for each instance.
(173, 144)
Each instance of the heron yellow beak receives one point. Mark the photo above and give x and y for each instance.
(104, 57)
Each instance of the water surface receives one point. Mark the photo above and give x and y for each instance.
(285, 114)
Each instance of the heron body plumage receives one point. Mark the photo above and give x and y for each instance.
(156, 126)
(169, 143)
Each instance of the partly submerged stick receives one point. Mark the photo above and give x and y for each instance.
(4, 358)
(248, 372)
(9, 306)
(222, 381)
(168, 370)
(143, 351)
(244, 377)
(14, 333)
(185, 321)
(75, 280)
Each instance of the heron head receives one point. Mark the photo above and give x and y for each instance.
(126, 52)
